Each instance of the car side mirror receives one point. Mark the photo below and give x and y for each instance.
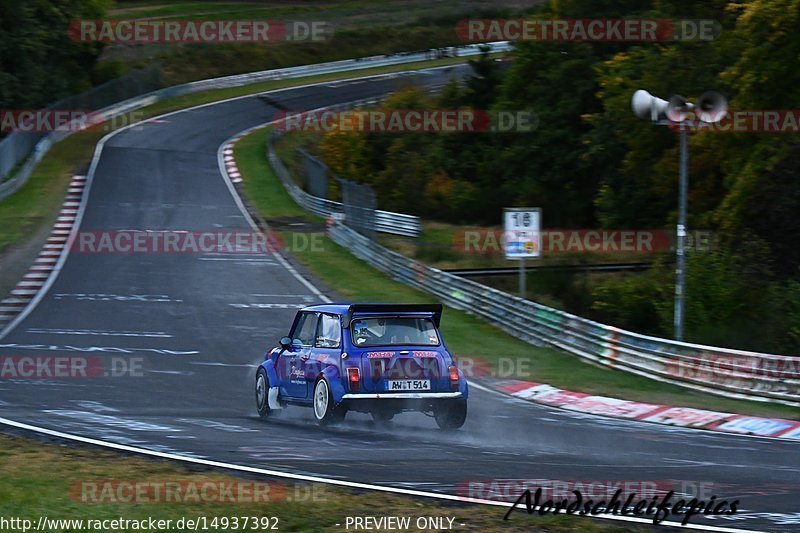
(285, 342)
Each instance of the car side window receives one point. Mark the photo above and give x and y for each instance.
(329, 334)
(304, 331)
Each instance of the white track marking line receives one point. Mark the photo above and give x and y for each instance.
(98, 332)
(204, 363)
(329, 481)
(239, 260)
(285, 264)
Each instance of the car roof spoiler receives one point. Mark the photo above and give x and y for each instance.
(433, 309)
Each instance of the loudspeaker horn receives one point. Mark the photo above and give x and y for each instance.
(711, 107)
(648, 107)
(678, 108)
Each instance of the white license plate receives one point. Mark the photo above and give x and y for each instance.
(409, 384)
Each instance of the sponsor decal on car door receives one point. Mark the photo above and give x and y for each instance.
(296, 384)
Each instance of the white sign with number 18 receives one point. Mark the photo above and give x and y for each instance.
(522, 230)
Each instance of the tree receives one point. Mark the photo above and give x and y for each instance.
(545, 167)
(482, 84)
(38, 61)
(762, 190)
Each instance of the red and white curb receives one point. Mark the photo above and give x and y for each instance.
(647, 412)
(230, 163)
(38, 273)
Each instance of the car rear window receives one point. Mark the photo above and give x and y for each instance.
(394, 331)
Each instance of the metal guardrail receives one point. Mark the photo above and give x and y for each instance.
(384, 222)
(725, 372)
(32, 152)
(513, 271)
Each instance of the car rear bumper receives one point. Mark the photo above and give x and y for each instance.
(402, 395)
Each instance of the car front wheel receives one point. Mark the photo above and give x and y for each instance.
(450, 415)
(325, 412)
(262, 393)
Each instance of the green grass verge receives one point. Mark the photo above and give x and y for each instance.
(268, 194)
(465, 334)
(47, 480)
(36, 204)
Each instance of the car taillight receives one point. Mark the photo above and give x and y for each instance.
(453, 376)
(354, 378)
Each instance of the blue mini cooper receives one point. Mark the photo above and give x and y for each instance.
(380, 359)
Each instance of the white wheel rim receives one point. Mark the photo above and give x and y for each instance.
(321, 399)
(261, 390)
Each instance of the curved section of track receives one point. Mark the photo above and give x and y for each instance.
(197, 325)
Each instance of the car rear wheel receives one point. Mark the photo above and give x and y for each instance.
(325, 412)
(450, 415)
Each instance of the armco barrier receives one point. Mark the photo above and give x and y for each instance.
(385, 221)
(35, 152)
(732, 373)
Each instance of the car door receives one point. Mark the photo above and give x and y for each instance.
(292, 368)
(327, 348)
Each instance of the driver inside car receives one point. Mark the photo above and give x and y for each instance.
(369, 334)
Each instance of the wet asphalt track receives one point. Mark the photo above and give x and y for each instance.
(182, 316)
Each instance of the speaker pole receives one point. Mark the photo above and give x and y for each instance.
(711, 108)
(680, 269)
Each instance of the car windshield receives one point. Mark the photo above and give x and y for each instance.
(393, 331)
